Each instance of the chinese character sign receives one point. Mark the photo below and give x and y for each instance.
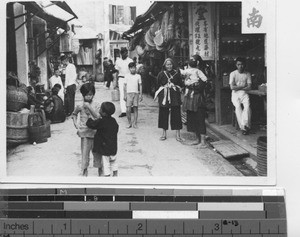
(254, 19)
(202, 30)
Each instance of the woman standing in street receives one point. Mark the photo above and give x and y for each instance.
(169, 99)
(195, 107)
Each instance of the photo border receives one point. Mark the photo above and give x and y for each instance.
(270, 49)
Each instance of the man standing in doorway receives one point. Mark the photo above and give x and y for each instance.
(240, 83)
(122, 67)
(70, 85)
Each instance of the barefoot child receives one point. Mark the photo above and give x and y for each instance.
(87, 109)
(105, 140)
(132, 94)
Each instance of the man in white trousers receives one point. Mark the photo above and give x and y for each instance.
(122, 67)
(240, 83)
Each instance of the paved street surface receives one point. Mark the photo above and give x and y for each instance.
(140, 152)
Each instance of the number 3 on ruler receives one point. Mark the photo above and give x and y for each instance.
(217, 226)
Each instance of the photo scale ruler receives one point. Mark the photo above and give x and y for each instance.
(89, 212)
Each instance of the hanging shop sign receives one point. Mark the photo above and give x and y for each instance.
(202, 28)
(254, 17)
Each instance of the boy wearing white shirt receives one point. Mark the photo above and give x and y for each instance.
(132, 94)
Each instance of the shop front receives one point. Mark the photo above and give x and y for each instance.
(213, 31)
(32, 35)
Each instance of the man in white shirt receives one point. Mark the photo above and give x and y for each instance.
(70, 85)
(240, 83)
(122, 67)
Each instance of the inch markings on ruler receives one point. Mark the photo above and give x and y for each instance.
(142, 213)
(142, 227)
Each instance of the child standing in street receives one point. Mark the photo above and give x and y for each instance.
(132, 94)
(87, 109)
(105, 140)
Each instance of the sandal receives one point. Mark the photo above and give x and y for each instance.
(179, 139)
(163, 138)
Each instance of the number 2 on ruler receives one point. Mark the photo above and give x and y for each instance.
(140, 226)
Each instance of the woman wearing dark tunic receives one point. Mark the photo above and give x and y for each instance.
(169, 99)
(195, 107)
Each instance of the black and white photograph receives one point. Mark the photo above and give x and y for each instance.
(180, 92)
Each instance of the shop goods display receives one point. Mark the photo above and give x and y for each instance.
(158, 39)
(149, 39)
(154, 27)
(164, 24)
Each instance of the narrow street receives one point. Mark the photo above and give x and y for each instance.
(140, 152)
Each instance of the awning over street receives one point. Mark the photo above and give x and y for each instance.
(56, 17)
(65, 6)
(146, 19)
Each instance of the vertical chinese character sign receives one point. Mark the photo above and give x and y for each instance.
(254, 18)
(202, 30)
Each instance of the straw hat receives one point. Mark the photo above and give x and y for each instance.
(154, 27)
(149, 39)
(158, 39)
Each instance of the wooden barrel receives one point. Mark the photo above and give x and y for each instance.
(17, 127)
(37, 127)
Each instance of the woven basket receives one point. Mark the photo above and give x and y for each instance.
(16, 95)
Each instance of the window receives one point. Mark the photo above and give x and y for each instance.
(121, 14)
(112, 14)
